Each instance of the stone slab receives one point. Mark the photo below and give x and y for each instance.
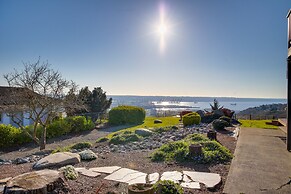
(87, 172)
(106, 169)
(153, 178)
(191, 185)
(4, 181)
(57, 160)
(126, 175)
(33, 182)
(209, 179)
(186, 179)
(172, 176)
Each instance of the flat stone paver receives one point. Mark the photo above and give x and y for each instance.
(87, 172)
(186, 179)
(4, 181)
(153, 178)
(191, 185)
(172, 176)
(210, 180)
(106, 169)
(126, 175)
(261, 163)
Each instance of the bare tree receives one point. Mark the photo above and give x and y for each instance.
(41, 99)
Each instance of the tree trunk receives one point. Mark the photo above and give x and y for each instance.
(42, 142)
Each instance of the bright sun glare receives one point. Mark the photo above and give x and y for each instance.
(162, 29)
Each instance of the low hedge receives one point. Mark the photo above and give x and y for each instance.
(191, 119)
(126, 115)
(11, 136)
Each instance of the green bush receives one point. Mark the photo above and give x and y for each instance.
(126, 115)
(58, 128)
(168, 187)
(219, 124)
(81, 145)
(225, 118)
(212, 151)
(191, 119)
(10, 136)
(102, 139)
(125, 137)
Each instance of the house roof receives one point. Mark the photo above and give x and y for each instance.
(14, 97)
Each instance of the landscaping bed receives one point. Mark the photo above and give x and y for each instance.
(135, 159)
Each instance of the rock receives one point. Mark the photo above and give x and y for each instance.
(157, 121)
(126, 175)
(43, 181)
(172, 176)
(4, 181)
(106, 169)
(69, 172)
(57, 159)
(200, 112)
(143, 132)
(209, 179)
(22, 160)
(87, 155)
(186, 179)
(87, 172)
(153, 178)
(191, 185)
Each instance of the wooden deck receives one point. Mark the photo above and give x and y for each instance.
(284, 123)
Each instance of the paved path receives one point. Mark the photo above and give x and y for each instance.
(261, 164)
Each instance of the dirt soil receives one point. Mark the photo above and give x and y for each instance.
(138, 160)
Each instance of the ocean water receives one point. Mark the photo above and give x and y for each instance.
(171, 105)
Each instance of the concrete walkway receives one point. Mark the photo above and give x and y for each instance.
(261, 164)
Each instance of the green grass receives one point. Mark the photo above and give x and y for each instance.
(257, 124)
(212, 151)
(80, 145)
(149, 123)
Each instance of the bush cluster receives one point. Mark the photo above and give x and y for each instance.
(220, 124)
(11, 136)
(168, 187)
(212, 151)
(191, 119)
(126, 115)
(124, 137)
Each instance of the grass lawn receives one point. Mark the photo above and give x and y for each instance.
(257, 124)
(149, 123)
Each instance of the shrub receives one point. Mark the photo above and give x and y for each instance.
(10, 135)
(58, 128)
(168, 187)
(102, 139)
(69, 172)
(208, 118)
(191, 119)
(225, 118)
(62, 149)
(81, 145)
(126, 115)
(219, 124)
(80, 123)
(212, 151)
(125, 137)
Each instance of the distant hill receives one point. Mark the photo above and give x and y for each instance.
(264, 112)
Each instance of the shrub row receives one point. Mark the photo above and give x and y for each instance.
(11, 136)
(126, 115)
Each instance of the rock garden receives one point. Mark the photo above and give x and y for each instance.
(161, 155)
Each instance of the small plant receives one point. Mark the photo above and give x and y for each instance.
(215, 105)
(219, 124)
(102, 139)
(62, 149)
(87, 155)
(191, 119)
(125, 137)
(225, 118)
(168, 187)
(69, 172)
(81, 145)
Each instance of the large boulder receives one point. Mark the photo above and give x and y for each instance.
(43, 181)
(157, 121)
(143, 132)
(57, 160)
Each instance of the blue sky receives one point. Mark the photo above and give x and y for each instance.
(229, 48)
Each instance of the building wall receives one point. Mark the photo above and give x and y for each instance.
(5, 119)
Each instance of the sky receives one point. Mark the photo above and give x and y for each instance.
(226, 48)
